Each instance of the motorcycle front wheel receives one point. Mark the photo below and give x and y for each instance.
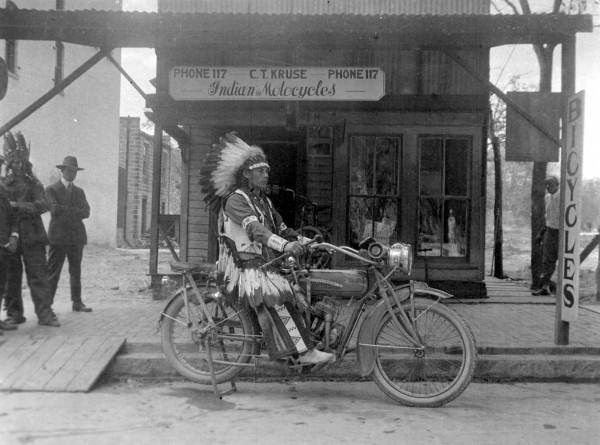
(431, 375)
(234, 340)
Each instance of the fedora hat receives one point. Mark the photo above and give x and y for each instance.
(69, 161)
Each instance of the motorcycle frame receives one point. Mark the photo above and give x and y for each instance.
(380, 290)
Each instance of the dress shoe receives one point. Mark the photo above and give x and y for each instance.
(49, 321)
(80, 307)
(540, 292)
(4, 326)
(15, 319)
(315, 356)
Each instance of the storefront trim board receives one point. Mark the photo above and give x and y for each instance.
(297, 83)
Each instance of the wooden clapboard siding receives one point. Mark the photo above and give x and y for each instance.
(198, 233)
(326, 7)
(407, 72)
(319, 171)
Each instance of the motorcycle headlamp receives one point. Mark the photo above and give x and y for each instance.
(400, 255)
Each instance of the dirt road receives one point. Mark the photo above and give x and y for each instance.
(300, 413)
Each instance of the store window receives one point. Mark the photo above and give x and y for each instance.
(444, 195)
(374, 198)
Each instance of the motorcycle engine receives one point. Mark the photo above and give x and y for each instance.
(324, 326)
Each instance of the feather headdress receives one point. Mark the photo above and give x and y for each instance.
(219, 173)
(15, 148)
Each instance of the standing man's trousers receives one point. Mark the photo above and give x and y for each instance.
(56, 258)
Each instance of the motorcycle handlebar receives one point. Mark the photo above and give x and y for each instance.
(348, 251)
(316, 244)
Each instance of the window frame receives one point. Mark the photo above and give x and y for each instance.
(467, 198)
(397, 197)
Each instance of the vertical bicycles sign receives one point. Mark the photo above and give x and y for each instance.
(571, 189)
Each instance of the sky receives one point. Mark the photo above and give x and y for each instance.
(504, 63)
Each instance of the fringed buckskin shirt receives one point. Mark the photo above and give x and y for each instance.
(264, 226)
(258, 231)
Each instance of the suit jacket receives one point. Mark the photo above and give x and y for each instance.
(68, 210)
(29, 195)
(6, 221)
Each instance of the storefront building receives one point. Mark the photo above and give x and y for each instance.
(385, 136)
(375, 110)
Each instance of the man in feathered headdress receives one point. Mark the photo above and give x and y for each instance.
(28, 202)
(8, 243)
(234, 178)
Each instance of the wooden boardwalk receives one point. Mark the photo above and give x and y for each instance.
(507, 288)
(56, 363)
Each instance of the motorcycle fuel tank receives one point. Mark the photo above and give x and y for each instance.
(342, 283)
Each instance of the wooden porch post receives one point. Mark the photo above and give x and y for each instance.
(155, 209)
(561, 328)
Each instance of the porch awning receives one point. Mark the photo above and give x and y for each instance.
(141, 29)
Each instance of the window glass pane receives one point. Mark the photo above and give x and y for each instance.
(431, 166)
(361, 165)
(373, 203)
(386, 154)
(455, 228)
(457, 158)
(376, 217)
(430, 226)
(359, 212)
(386, 220)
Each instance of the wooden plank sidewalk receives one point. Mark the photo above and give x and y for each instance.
(506, 288)
(57, 363)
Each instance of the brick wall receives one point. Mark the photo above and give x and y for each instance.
(135, 187)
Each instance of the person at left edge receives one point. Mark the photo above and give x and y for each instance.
(8, 243)
(66, 233)
(28, 202)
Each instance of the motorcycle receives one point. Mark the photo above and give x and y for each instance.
(416, 349)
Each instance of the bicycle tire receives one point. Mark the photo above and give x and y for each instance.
(434, 376)
(188, 356)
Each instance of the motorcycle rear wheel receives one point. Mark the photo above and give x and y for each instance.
(427, 377)
(234, 340)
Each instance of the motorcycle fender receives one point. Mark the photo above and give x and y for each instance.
(170, 299)
(424, 291)
(366, 336)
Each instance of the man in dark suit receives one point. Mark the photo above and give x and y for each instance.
(68, 207)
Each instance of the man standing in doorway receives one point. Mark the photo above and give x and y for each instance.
(66, 233)
(549, 235)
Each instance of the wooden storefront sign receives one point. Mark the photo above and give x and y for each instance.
(524, 143)
(571, 215)
(276, 83)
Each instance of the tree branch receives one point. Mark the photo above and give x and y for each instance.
(556, 7)
(512, 6)
(525, 6)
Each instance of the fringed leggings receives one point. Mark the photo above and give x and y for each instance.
(284, 330)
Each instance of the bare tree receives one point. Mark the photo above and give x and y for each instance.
(543, 54)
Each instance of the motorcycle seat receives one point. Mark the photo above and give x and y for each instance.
(183, 267)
